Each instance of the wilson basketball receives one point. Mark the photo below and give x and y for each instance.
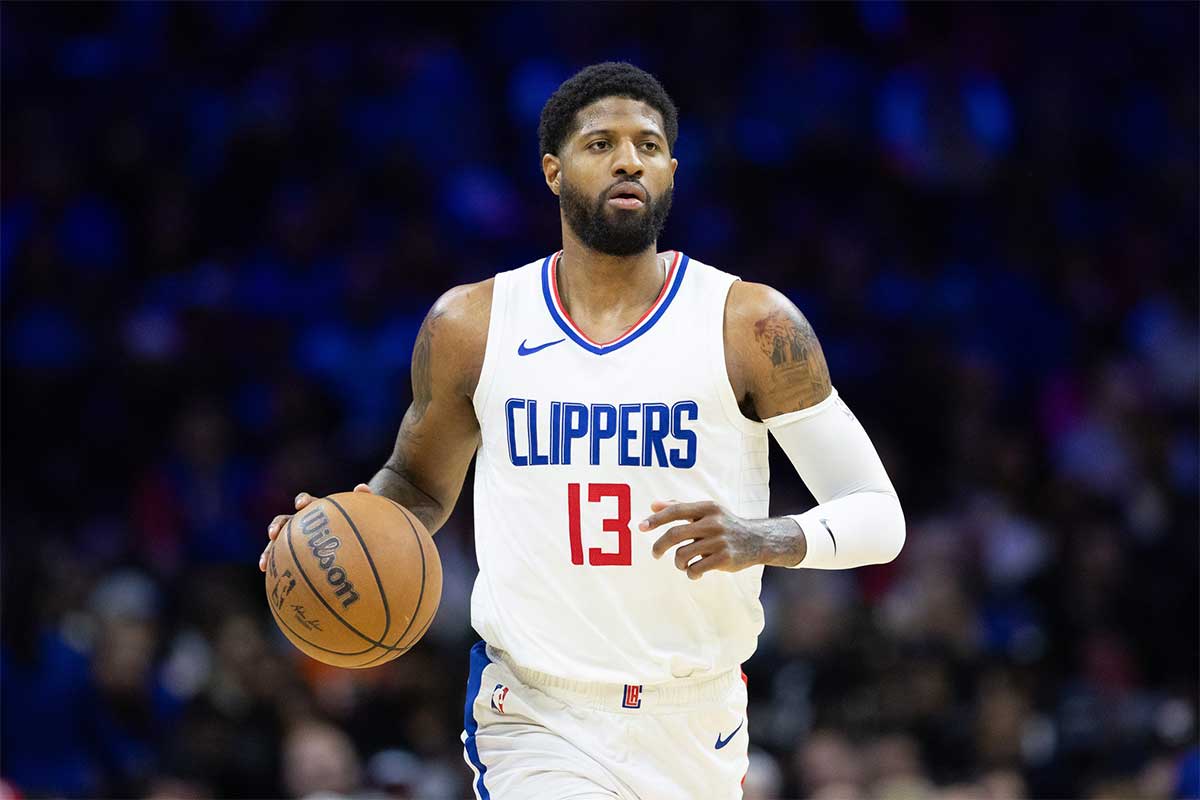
(354, 580)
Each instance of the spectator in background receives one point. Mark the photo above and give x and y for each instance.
(319, 761)
(48, 696)
(193, 507)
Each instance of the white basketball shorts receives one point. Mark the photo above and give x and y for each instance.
(531, 736)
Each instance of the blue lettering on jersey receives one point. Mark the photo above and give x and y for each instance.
(656, 427)
(555, 427)
(687, 458)
(575, 426)
(604, 426)
(628, 434)
(510, 409)
(641, 434)
(536, 459)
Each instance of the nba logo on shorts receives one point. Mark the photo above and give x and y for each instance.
(633, 696)
(498, 695)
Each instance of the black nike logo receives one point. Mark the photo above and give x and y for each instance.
(522, 350)
(722, 742)
(825, 522)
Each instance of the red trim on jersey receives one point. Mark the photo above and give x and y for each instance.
(746, 681)
(562, 309)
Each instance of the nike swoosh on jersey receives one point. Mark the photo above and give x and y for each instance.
(829, 530)
(522, 350)
(722, 742)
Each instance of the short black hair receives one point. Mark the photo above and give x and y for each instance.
(609, 79)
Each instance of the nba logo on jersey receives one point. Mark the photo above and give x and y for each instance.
(633, 696)
(498, 695)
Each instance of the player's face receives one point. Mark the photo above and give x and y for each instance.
(616, 176)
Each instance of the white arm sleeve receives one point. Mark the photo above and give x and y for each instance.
(858, 520)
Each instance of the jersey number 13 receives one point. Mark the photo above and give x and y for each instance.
(623, 555)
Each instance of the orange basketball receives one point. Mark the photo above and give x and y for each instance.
(354, 580)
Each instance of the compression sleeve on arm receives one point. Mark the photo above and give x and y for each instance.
(858, 520)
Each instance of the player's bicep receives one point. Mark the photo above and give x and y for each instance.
(439, 433)
(779, 360)
(434, 448)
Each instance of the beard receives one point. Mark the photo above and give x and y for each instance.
(613, 231)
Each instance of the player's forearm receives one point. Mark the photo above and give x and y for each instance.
(783, 543)
(852, 531)
(391, 483)
(859, 520)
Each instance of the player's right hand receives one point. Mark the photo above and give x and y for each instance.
(302, 500)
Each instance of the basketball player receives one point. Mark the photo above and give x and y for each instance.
(617, 400)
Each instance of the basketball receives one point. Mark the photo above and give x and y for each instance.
(353, 580)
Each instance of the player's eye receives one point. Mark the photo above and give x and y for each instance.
(592, 146)
(652, 145)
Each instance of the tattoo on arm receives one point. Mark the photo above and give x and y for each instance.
(784, 543)
(391, 482)
(798, 376)
(422, 380)
(439, 433)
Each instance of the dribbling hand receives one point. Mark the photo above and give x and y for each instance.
(722, 540)
(302, 500)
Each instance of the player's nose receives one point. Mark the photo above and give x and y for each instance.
(626, 160)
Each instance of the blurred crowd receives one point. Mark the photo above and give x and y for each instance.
(221, 225)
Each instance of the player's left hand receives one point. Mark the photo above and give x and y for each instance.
(724, 541)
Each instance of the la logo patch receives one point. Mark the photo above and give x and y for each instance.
(498, 695)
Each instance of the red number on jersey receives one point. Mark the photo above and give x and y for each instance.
(623, 557)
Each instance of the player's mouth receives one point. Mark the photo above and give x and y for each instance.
(627, 195)
(625, 202)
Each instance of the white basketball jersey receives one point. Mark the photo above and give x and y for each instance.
(578, 438)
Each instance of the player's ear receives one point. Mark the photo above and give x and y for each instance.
(674, 166)
(551, 169)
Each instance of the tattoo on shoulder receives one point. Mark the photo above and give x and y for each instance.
(798, 375)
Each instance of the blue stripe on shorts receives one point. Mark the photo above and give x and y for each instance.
(479, 660)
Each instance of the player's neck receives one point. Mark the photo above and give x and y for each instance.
(595, 284)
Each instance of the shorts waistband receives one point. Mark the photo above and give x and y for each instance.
(677, 695)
